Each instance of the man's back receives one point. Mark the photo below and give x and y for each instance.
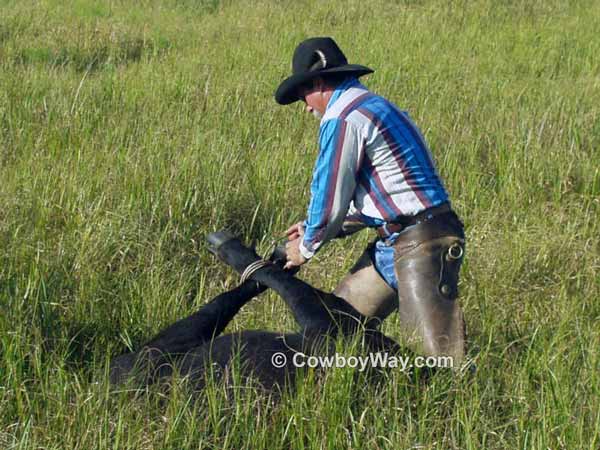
(394, 172)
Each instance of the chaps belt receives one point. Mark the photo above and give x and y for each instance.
(399, 224)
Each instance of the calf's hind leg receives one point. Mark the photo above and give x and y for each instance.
(184, 335)
(314, 310)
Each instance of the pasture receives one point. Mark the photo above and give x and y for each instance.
(131, 129)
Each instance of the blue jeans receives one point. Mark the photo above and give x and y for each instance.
(382, 255)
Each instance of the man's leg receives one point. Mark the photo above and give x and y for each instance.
(366, 290)
(428, 257)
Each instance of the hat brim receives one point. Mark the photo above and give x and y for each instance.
(287, 92)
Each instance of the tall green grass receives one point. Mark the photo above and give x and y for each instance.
(129, 130)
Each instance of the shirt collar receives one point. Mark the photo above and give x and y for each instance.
(343, 87)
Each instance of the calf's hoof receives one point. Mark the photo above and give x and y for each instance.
(121, 368)
(230, 250)
(217, 239)
(233, 252)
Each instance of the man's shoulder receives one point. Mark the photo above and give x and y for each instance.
(357, 100)
(347, 102)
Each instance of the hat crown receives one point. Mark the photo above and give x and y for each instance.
(316, 54)
(316, 57)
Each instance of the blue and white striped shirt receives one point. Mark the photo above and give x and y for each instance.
(373, 166)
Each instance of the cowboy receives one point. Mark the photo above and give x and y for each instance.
(375, 170)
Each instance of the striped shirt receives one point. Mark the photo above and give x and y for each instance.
(373, 166)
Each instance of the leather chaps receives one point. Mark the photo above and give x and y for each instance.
(427, 261)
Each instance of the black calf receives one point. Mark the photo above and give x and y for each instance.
(191, 343)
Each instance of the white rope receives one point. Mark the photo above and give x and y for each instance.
(252, 268)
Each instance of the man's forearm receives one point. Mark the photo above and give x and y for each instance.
(350, 226)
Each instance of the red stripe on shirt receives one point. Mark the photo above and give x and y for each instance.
(397, 157)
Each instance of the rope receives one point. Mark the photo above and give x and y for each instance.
(276, 241)
(257, 265)
(252, 268)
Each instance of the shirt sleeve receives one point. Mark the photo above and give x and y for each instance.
(353, 222)
(333, 184)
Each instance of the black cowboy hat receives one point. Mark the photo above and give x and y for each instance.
(315, 57)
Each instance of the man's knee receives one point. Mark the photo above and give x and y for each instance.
(366, 290)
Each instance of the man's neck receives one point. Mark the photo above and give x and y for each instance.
(339, 90)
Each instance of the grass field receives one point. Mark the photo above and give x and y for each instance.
(130, 129)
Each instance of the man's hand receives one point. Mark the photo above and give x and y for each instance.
(294, 257)
(295, 233)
